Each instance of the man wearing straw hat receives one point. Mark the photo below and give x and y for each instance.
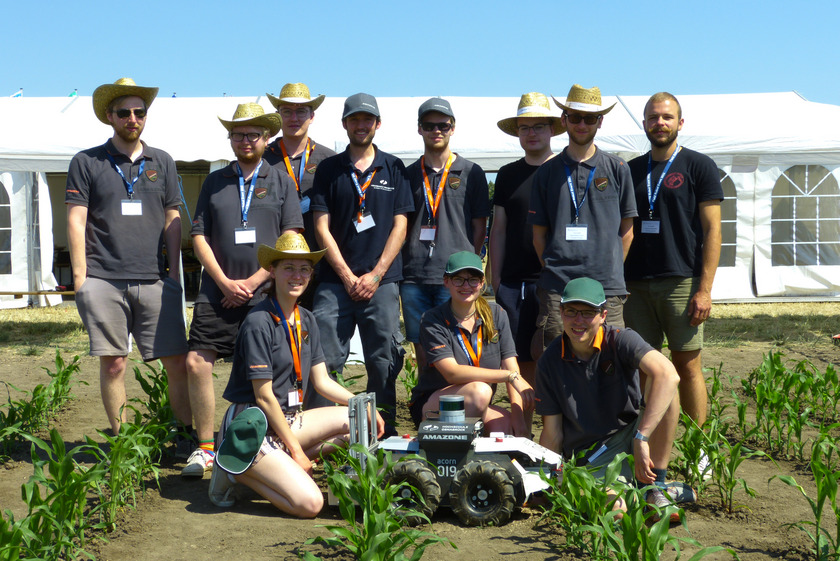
(241, 206)
(294, 153)
(514, 264)
(361, 199)
(122, 208)
(582, 209)
(451, 206)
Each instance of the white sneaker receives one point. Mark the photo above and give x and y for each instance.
(199, 462)
(704, 467)
(221, 488)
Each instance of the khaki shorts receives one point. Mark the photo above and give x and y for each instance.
(550, 318)
(114, 310)
(658, 309)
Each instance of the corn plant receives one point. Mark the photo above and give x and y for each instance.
(408, 377)
(158, 411)
(380, 536)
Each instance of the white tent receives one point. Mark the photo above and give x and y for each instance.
(778, 154)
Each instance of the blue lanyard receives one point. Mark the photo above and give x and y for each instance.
(359, 189)
(458, 337)
(572, 189)
(245, 200)
(652, 196)
(129, 187)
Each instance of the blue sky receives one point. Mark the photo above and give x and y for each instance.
(409, 48)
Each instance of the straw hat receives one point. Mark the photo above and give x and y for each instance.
(532, 104)
(252, 114)
(583, 100)
(287, 246)
(296, 93)
(106, 93)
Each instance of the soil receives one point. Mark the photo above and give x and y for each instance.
(177, 521)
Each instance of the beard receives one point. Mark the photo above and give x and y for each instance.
(128, 135)
(581, 139)
(660, 142)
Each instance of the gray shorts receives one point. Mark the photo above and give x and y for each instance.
(112, 310)
(622, 441)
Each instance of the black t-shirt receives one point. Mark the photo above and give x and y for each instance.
(388, 195)
(677, 251)
(513, 194)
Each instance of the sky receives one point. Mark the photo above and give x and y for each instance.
(427, 48)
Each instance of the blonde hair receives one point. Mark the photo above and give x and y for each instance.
(482, 309)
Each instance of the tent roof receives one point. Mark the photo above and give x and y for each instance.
(43, 134)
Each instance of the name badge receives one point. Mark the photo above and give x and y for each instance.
(427, 233)
(304, 205)
(294, 399)
(650, 226)
(242, 236)
(131, 207)
(366, 224)
(575, 232)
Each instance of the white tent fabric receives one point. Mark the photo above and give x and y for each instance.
(779, 157)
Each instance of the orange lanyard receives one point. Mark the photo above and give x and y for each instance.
(303, 160)
(474, 355)
(433, 201)
(361, 190)
(292, 329)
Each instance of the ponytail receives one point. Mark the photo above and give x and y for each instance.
(482, 309)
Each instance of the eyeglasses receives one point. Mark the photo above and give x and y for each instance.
(538, 129)
(585, 314)
(126, 113)
(442, 127)
(472, 281)
(576, 118)
(301, 113)
(303, 271)
(240, 136)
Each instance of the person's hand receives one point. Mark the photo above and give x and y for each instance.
(524, 389)
(235, 293)
(350, 284)
(302, 460)
(380, 425)
(699, 307)
(643, 465)
(365, 287)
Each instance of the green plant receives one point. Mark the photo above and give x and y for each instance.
(158, 411)
(408, 377)
(346, 379)
(380, 536)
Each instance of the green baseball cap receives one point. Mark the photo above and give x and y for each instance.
(243, 438)
(585, 290)
(463, 260)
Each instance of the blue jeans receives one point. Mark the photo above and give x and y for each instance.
(378, 320)
(416, 299)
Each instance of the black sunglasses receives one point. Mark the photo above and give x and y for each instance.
(576, 118)
(126, 113)
(442, 127)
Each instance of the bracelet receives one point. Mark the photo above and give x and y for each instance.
(640, 436)
(513, 376)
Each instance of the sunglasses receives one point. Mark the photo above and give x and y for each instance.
(442, 127)
(240, 136)
(126, 113)
(576, 118)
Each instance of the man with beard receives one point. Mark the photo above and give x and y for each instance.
(676, 248)
(451, 206)
(122, 207)
(361, 199)
(294, 153)
(581, 210)
(239, 207)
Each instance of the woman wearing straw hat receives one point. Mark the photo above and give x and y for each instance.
(278, 354)
(470, 349)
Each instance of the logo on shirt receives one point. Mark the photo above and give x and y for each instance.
(310, 168)
(260, 192)
(454, 182)
(674, 180)
(601, 183)
(305, 336)
(382, 186)
(151, 174)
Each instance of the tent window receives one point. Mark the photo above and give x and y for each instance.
(5, 232)
(728, 221)
(805, 220)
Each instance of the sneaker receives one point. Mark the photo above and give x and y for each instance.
(657, 499)
(184, 447)
(199, 461)
(679, 492)
(704, 467)
(221, 488)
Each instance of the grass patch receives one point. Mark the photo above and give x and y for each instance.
(781, 323)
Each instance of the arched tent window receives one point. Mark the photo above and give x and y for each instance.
(805, 218)
(5, 232)
(728, 221)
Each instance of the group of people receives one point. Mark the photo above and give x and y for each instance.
(300, 246)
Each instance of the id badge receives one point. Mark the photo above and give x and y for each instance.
(427, 233)
(242, 236)
(304, 205)
(366, 224)
(130, 207)
(650, 226)
(575, 232)
(294, 398)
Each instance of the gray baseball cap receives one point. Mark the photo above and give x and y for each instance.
(360, 103)
(437, 104)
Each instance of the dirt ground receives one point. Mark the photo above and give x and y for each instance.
(178, 521)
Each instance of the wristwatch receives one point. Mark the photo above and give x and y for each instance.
(640, 436)
(512, 376)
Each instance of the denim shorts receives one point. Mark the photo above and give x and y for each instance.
(416, 300)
